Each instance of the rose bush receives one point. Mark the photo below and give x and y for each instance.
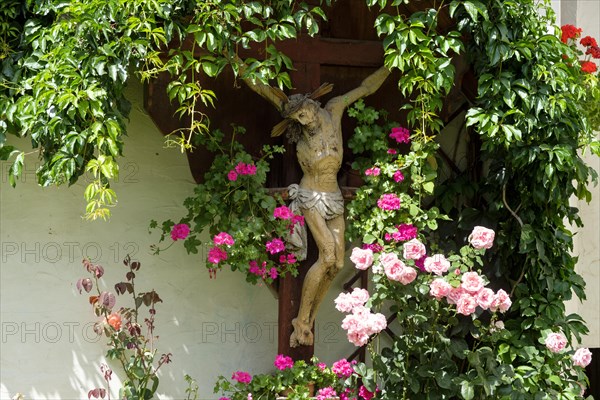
(130, 341)
(458, 328)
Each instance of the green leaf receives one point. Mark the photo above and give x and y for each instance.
(466, 390)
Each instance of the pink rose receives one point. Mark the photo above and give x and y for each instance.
(481, 237)
(439, 288)
(485, 298)
(388, 259)
(180, 231)
(472, 282)
(454, 294)
(466, 304)
(501, 302)
(437, 264)
(414, 249)
(344, 302)
(360, 296)
(361, 324)
(394, 270)
(556, 342)
(582, 357)
(407, 275)
(347, 302)
(362, 258)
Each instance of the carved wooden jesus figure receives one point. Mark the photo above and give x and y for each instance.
(318, 133)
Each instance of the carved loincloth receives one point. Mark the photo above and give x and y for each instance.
(329, 205)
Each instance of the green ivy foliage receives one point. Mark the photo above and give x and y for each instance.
(65, 65)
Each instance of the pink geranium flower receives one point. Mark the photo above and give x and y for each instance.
(273, 273)
(342, 368)
(223, 238)
(400, 134)
(388, 202)
(283, 362)
(242, 377)
(326, 393)
(365, 394)
(374, 171)
(216, 255)
(232, 176)
(275, 246)
(403, 233)
(180, 231)
(282, 212)
(398, 176)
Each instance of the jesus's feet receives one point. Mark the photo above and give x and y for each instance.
(302, 335)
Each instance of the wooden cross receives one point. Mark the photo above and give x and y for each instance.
(344, 62)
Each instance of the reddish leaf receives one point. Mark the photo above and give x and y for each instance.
(107, 299)
(99, 271)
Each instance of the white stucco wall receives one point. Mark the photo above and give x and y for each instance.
(585, 14)
(212, 327)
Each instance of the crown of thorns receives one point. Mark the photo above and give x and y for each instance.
(293, 103)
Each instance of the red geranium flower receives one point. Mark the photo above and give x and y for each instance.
(594, 51)
(588, 41)
(569, 32)
(588, 66)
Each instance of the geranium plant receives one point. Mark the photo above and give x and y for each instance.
(298, 380)
(247, 225)
(131, 335)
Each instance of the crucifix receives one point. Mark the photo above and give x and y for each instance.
(317, 132)
(314, 59)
